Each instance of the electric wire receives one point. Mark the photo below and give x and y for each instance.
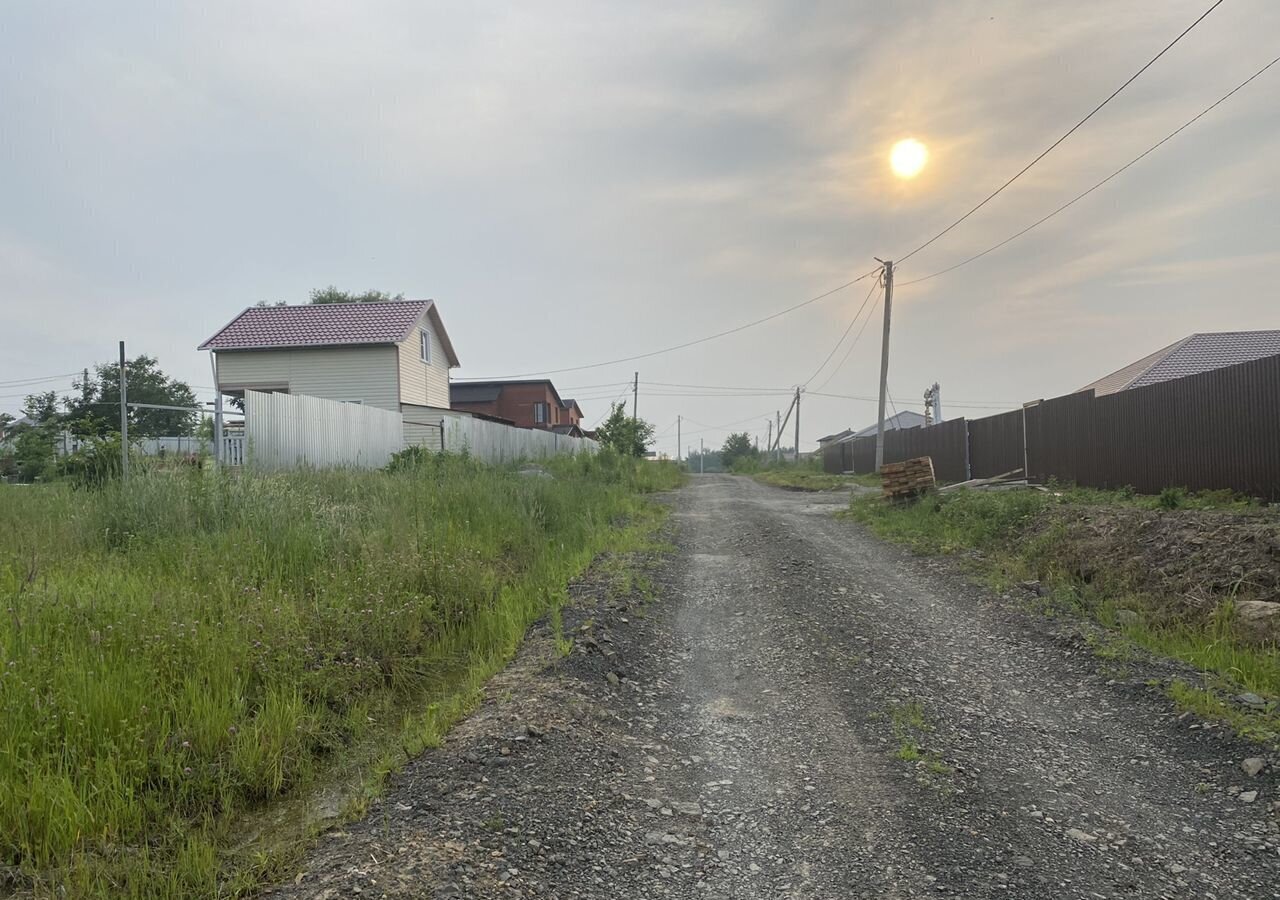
(848, 352)
(1073, 201)
(1132, 78)
(853, 321)
(686, 344)
(23, 382)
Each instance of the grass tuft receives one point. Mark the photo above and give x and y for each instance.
(186, 649)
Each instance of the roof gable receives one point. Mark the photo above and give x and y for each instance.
(327, 325)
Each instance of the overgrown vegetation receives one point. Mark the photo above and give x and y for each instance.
(186, 648)
(1052, 542)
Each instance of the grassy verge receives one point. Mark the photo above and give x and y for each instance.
(180, 653)
(804, 476)
(1019, 540)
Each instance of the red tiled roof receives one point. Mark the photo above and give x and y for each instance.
(319, 325)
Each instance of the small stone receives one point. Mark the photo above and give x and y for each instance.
(612, 678)
(1248, 796)
(692, 810)
(1127, 618)
(1083, 837)
(1023, 862)
(1253, 766)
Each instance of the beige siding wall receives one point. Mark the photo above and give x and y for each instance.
(367, 374)
(424, 384)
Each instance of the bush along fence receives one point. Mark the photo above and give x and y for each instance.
(1211, 431)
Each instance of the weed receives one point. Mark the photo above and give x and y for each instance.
(184, 650)
(1000, 526)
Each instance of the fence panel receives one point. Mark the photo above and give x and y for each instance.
(1060, 439)
(995, 444)
(491, 442)
(288, 430)
(1215, 430)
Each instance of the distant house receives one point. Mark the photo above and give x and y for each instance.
(529, 404)
(905, 419)
(1192, 355)
(834, 438)
(390, 355)
(8, 431)
(570, 412)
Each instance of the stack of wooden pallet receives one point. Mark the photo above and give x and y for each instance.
(907, 478)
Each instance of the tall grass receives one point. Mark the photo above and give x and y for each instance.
(188, 646)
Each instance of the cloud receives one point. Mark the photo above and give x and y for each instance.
(576, 181)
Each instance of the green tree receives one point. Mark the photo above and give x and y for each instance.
(628, 436)
(95, 411)
(331, 294)
(737, 447)
(41, 408)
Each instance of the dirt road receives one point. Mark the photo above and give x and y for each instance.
(806, 712)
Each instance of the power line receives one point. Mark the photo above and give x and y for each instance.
(957, 405)
(718, 387)
(22, 382)
(852, 322)
(1132, 78)
(1084, 194)
(849, 352)
(693, 343)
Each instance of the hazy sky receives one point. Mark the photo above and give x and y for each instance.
(578, 181)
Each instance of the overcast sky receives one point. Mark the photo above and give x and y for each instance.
(578, 181)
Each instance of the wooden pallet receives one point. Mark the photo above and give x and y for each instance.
(907, 478)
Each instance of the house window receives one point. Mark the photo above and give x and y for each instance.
(540, 413)
(424, 344)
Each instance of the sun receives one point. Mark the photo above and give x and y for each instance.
(908, 157)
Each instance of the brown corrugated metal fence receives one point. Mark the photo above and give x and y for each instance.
(995, 444)
(1215, 430)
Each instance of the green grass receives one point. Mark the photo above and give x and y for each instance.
(186, 650)
(999, 526)
(806, 475)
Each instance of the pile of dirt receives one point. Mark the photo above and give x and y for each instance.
(1186, 562)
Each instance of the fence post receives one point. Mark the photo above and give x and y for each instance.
(968, 470)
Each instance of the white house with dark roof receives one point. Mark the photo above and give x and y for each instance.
(389, 355)
(1202, 352)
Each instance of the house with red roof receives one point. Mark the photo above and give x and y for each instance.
(389, 355)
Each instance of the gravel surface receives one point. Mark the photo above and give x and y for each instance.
(803, 711)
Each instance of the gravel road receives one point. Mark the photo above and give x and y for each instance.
(803, 711)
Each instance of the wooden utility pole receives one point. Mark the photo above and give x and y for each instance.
(124, 417)
(797, 425)
(768, 440)
(884, 361)
(679, 422)
(635, 399)
(778, 454)
(702, 455)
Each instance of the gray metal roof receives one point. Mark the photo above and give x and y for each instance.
(1201, 352)
(908, 418)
